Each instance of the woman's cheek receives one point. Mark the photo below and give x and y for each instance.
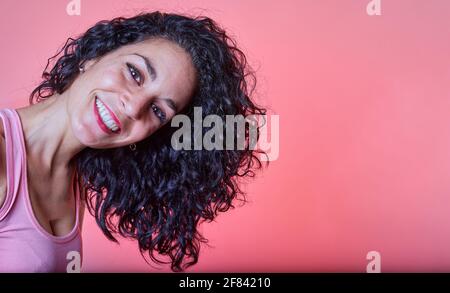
(143, 130)
(112, 79)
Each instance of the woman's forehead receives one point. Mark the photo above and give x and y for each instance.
(155, 44)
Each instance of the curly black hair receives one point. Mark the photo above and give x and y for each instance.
(156, 194)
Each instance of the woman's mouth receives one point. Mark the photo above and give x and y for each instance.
(106, 119)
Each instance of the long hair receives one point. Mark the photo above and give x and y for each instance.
(156, 194)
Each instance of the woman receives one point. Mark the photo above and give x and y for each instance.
(98, 134)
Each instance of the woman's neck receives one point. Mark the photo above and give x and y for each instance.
(50, 143)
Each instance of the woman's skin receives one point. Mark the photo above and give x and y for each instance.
(56, 129)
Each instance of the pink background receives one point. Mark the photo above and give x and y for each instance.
(364, 105)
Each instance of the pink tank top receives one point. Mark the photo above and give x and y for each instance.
(24, 245)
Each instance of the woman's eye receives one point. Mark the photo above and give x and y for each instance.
(159, 113)
(135, 74)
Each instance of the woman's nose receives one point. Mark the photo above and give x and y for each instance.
(133, 105)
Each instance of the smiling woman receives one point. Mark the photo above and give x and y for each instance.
(97, 134)
(128, 92)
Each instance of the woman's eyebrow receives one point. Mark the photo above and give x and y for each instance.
(151, 70)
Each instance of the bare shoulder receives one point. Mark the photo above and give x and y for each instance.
(2, 165)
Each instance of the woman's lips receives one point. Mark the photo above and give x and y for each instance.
(100, 121)
(112, 114)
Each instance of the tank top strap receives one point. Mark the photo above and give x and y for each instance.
(77, 192)
(14, 150)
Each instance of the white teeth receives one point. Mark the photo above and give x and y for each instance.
(106, 117)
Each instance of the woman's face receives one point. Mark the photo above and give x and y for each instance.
(128, 94)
